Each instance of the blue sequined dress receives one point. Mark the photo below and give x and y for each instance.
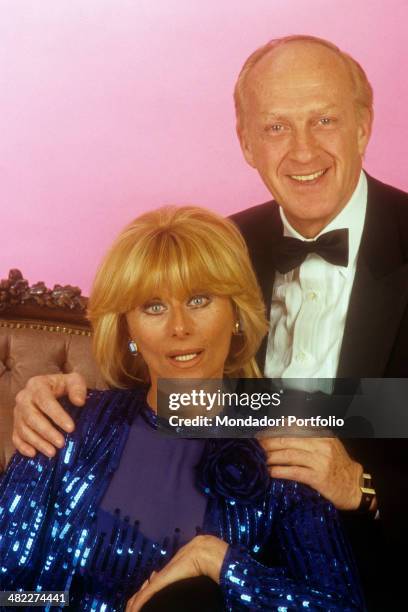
(59, 529)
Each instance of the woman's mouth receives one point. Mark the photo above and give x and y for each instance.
(186, 358)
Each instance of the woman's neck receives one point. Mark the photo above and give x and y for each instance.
(152, 398)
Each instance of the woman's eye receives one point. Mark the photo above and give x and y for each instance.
(197, 301)
(154, 308)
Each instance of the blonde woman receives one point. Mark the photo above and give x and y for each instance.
(123, 514)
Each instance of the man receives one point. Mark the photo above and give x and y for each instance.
(304, 116)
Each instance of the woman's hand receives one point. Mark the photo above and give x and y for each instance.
(203, 556)
(36, 411)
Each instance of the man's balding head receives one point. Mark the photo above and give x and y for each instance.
(360, 86)
(304, 121)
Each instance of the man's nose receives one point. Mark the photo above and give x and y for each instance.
(304, 146)
(180, 322)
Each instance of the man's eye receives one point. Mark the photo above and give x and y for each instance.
(275, 128)
(154, 308)
(326, 121)
(197, 301)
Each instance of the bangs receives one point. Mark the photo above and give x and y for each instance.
(176, 264)
(173, 252)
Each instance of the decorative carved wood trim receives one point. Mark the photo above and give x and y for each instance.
(42, 326)
(19, 300)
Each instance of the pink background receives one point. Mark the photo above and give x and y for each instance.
(112, 107)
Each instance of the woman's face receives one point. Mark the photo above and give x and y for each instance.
(183, 338)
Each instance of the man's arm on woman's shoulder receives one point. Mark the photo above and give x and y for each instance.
(37, 411)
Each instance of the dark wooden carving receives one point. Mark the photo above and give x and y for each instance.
(20, 299)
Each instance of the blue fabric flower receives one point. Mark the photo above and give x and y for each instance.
(234, 469)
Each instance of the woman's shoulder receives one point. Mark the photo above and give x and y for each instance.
(295, 492)
(107, 404)
(101, 427)
(105, 418)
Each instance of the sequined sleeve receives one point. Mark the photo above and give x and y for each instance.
(306, 565)
(24, 502)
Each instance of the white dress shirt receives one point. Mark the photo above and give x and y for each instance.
(310, 303)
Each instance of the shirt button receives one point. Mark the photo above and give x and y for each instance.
(312, 296)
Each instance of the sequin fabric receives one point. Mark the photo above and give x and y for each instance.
(287, 551)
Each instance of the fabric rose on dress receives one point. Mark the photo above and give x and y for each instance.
(235, 469)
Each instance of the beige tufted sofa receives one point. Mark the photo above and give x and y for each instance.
(42, 331)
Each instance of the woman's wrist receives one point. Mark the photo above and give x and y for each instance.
(212, 554)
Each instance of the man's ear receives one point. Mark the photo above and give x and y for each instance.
(365, 122)
(245, 143)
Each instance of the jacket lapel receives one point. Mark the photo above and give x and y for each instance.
(271, 234)
(261, 227)
(380, 291)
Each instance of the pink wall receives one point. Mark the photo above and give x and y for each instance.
(111, 107)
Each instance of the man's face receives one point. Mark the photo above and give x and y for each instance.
(303, 133)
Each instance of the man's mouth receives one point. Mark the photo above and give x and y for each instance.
(305, 178)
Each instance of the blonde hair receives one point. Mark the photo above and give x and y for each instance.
(362, 90)
(186, 248)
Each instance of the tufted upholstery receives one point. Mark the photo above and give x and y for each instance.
(39, 340)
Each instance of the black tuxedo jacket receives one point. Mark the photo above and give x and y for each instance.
(375, 343)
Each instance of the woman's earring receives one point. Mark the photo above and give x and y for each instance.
(132, 346)
(237, 328)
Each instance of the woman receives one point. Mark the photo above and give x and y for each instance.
(114, 517)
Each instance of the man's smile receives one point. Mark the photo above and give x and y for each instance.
(303, 178)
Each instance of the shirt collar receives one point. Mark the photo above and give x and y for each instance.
(352, 217)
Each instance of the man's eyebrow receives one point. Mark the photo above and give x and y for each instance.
(326, 109)
(279, 115)
(273, 114)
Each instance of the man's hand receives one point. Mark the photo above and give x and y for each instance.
(321, 463)
(32, 429)
(203, 556)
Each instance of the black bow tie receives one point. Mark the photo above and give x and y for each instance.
(332, 246)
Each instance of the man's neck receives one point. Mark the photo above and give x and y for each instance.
(311, 228)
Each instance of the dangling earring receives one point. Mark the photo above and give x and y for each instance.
(237, 328)
(132, 346)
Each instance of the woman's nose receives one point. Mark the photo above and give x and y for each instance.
(180, 322)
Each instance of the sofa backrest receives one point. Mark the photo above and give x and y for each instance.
(42, 331)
